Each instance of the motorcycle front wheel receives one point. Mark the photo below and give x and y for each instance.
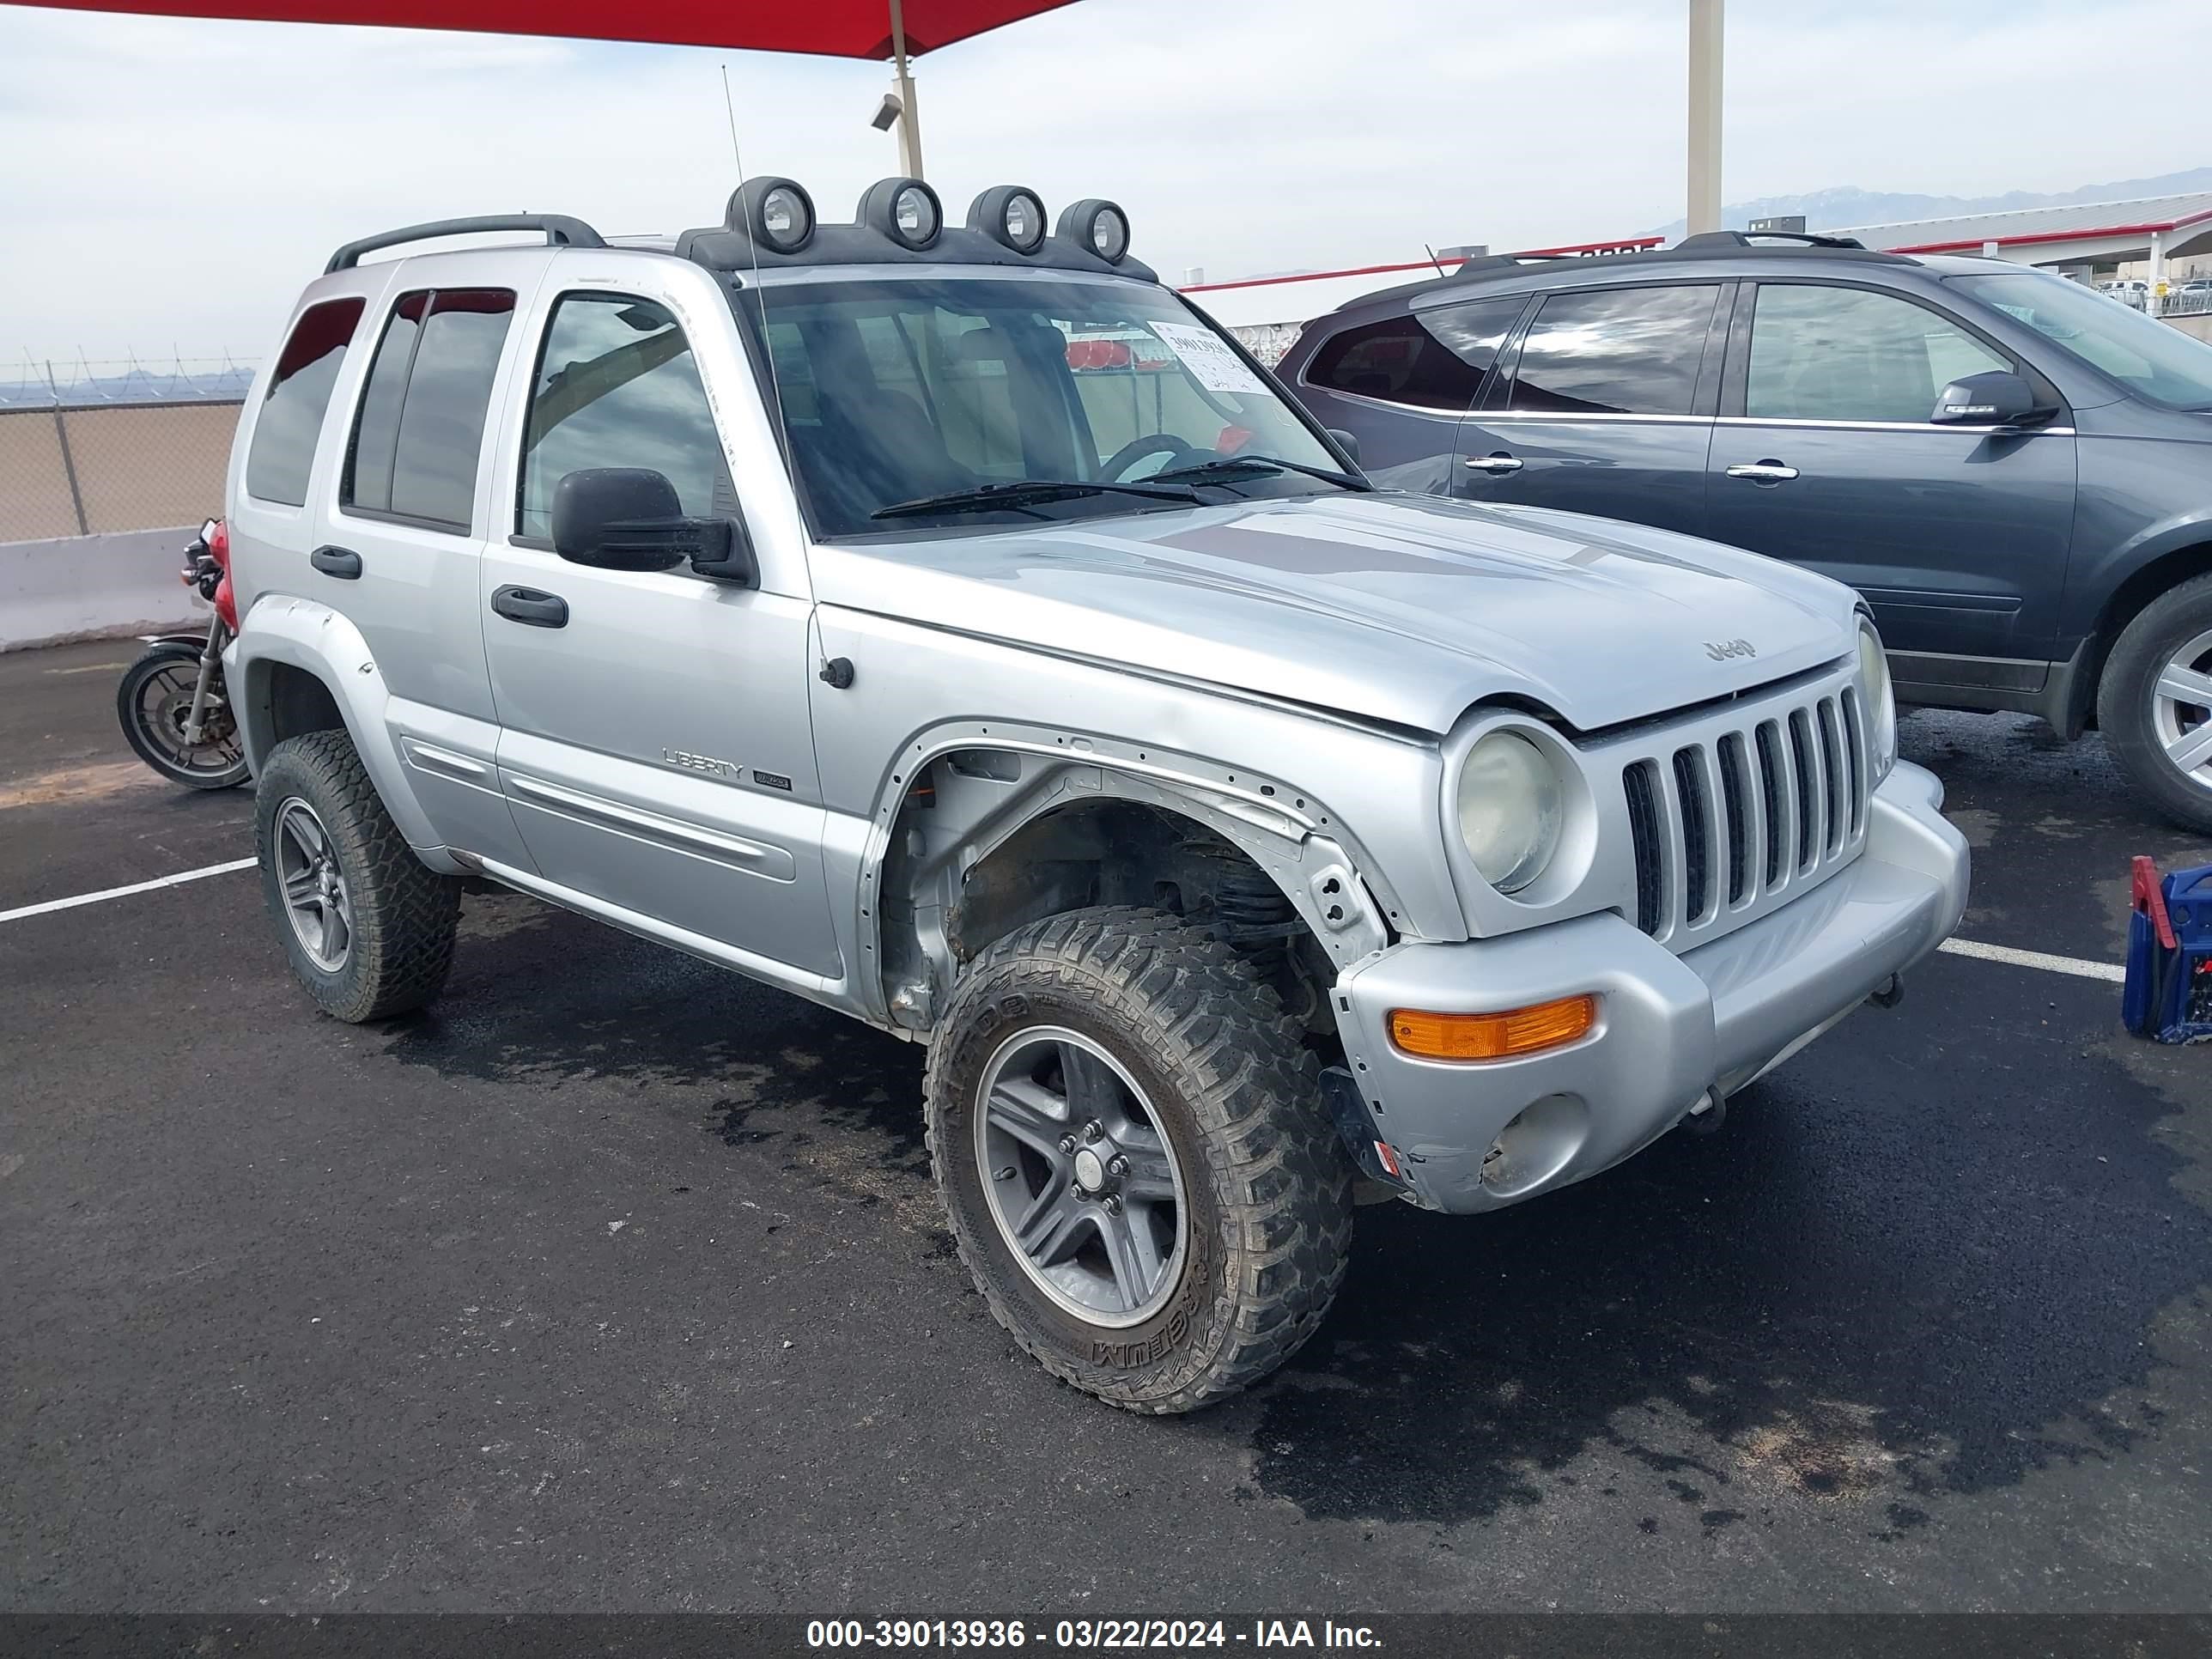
(154, 704)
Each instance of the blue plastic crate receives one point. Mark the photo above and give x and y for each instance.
(2167, 995)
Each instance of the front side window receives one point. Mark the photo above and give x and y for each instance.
(417, 437)
(1437, 359)
(2154, 358)
(1844, 353)
(291, 419)
(894, 393)
(617, 386)
(1615, 351)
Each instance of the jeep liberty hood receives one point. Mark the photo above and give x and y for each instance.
(1400, 609)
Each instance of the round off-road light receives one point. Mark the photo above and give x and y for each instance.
(1099, 227)
(1512, 809)
(905, 210)
(1012, 216)
(776, 213)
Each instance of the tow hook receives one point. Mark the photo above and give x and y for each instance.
(1889, 992)
(1706, 1117)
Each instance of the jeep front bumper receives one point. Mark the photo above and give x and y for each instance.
(1473, 1136)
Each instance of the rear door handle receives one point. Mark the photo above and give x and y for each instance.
(340, 561)
(532, 606)
(1501, 462)
(1764, 472)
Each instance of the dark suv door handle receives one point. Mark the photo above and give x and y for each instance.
(1499, 462)
(340, 561)
(531, 606)
(1764, 472)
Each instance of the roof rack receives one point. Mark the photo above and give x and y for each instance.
(1718, 239)
(561, 231)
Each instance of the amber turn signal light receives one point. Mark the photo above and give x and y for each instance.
(1492, 1036)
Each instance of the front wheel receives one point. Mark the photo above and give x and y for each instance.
(2154, 702)
(155, 705)
(1134, 1157)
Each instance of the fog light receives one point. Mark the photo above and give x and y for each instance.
(1492, 1036)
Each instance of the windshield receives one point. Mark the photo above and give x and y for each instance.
(2151, 358)
(898, 393)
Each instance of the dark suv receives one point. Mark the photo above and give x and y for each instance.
(2014, 470)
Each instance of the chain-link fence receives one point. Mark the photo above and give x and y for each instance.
(77, 470)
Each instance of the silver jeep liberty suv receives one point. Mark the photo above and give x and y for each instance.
(952, 626)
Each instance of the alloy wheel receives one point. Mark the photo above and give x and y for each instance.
(2181, 710)
(1084, 1185)
(315, 897)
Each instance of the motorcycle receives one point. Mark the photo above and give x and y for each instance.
(172, 701)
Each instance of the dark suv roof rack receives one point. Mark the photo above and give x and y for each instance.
(1719, 239)
(561, 231)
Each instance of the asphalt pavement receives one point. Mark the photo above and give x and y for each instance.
(614, 1283)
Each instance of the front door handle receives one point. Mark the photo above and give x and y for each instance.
(532, 607)
(340, 561)
(1764, 472)
(1500, 462)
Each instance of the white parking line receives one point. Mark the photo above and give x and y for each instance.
(2081, 967)
(177, 880)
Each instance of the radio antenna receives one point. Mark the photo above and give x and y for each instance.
(1426, 249)
(760, 299)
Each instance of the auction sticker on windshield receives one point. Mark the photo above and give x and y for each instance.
(1208, 357)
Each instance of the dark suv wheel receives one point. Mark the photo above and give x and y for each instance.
(369, 927)
(1131, 1145)
(2154, 702)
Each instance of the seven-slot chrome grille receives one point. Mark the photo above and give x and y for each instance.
(1731, 815)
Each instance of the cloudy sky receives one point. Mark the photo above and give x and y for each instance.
(168, 184)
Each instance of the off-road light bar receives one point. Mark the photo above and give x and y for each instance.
(905, 210)
(1097, 226)
(1012, 214)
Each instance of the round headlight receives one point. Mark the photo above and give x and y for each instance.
(1012, 216)
(1880, 699)
(1511, 807)
(1098, 225)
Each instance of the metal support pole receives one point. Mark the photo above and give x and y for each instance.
(910, 124)
(2155, 279)
(1704, 115)
(69, 461)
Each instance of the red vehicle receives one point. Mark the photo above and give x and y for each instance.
(172, 700)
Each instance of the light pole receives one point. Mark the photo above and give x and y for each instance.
(1704, 114)
(909, 118)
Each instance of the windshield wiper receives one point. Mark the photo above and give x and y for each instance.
(1026, 492)
(1228, 465)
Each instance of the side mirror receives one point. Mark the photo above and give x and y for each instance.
(1347, 441)
(1997, 396)
(630, 517)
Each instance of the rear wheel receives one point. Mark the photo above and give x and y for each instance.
(154, 704)
(1130, 1142)
(2154, 702)
(367, 927)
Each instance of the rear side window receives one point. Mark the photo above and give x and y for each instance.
(1438, 359)
(420, 429)
(1616, 351)
(283, 449)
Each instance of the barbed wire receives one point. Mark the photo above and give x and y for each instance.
(36, 379)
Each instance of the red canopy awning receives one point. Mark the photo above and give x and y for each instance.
(831, 28)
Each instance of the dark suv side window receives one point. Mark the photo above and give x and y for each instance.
(617, 386)
(420, 428)
(1615, 351)
(1844, 353)
(283, 450)
(1437, 359)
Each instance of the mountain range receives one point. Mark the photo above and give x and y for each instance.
(1849, 205)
